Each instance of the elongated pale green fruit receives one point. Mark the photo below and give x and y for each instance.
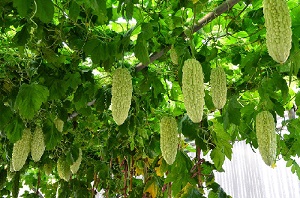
(63, 169)
(37, 144)
(21, 150)
(75, 166)
(193, 89)
(278, 27)
(266, 137)
(173, 56)
(121, 95)
(168, 139)
(218, 87)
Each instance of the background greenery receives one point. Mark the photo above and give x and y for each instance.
(56, 61)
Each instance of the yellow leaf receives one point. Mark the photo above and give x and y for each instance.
(184, 191)
(152, 188)
(139, 171)
(158, 169)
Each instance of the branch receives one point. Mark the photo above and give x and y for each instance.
(224, 7)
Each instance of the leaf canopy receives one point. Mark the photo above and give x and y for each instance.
(56, 63)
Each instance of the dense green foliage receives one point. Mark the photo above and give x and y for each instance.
(57, 58)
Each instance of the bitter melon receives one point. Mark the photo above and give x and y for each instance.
(168, 139)
(75, 166)
(218, 87)
(63, 169)
(21, 150)
(278, 27)
(37, 144)
(193, 89)
(121, 95)
(266, 137)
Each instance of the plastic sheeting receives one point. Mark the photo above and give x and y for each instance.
(247, 176)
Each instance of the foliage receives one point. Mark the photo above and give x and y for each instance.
(56, 63)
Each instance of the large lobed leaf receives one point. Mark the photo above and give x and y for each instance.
(30, 98)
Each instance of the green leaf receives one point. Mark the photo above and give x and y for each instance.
(234, 113)
(45, 10)
(101, 52)
(73, 80)
(158, 87)
(208, 101)
(99, 7)
(21, 38)
(52, 135)
(5, 115)
(218, 158)
(147, 31)
(182, 166)
(189, 191)
(30, 98)
(220, 132)
(80, 98)
(14, 130)
(297, 99)
(129, 10)
(281, 84)
(141, 50)
(57, 89)
(188, 128)
(74, 11)
(23, 6)
(289, 163)
(90, 46)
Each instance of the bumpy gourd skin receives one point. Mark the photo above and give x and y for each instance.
(193, 89)
(168, 139)
(174, 56)
(218, 87)
(75, 166)
(278, 27)
(121, 95)
(21, 150)
(63, 169)
(266, 137)
(59, 124)
(37, 144)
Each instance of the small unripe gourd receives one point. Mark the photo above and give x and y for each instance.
(59, 124)
(193, 89)
(21, 150)
(48, 169)
(278, 27)
(218, 87)
(168, 139)
(174, 56)
(37, 144)
(266, 137)
(121, 95)
(63, 169)
(75, 166)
